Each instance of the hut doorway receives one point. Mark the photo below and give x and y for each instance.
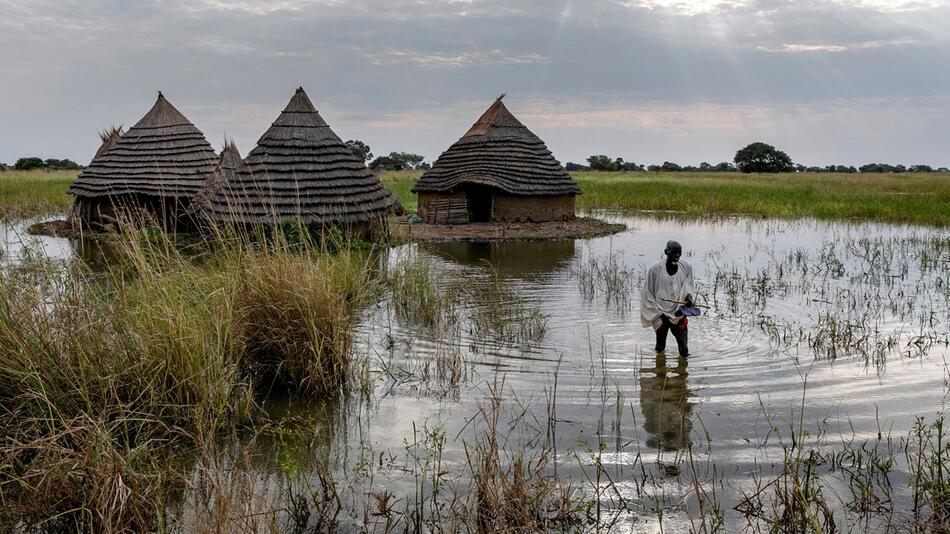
(480, 204)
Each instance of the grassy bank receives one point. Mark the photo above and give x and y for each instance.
(32, 193)
(910, 198)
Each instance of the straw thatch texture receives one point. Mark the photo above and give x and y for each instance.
(498, 152)
(228, 164)
(108, 137)
(301, 170)
(163, 155)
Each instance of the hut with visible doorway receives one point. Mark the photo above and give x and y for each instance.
(499, 171)
(149, 173)
(301, 171)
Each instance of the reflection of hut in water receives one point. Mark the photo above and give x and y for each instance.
(498, 171)
(664, 400)
(300, 170)
(228, 164)
(512, 258)
(151, 171)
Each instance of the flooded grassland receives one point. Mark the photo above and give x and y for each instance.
(510, 386)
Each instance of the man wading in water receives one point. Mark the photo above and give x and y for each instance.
(668, 286)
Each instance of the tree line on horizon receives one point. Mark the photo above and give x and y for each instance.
(32, 162)
(756, 157)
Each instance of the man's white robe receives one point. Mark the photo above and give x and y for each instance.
(659, 288)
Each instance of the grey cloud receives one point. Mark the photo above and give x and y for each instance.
(413, 74)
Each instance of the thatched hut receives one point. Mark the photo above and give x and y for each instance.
(108, 137)
(229, 161)
(499, 171)
(151, 171)
(300, 170)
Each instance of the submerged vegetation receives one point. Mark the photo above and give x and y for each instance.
(106, 377)
(247, 385)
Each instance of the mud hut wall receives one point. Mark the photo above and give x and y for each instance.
(430, 203)
(513, 208)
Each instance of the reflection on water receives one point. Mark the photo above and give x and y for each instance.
(96, 253)
(783, 296)
(509, 258)
(15, 242)
(666, 405)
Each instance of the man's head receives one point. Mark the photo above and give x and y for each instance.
(673, 252)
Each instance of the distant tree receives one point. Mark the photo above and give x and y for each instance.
(360, 149)
(629, 166)
(871, 167)
(66, 164)
(3, 166)
(842, 169)
(761, 157)
(387, 163)
(921, 168)
(424, 166)
(899, 168)
(669, 166)
(705, 166)
(570, 166)
(941, 169)
(800, 168)
(28, 164)
(412, 161)
(725, 166)
(398, 161)
(601, 163)
(653, 168)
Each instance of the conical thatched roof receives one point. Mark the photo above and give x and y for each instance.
(228, 164)
(498, 151)
(108, 136)
(300, 169)
(162, 155)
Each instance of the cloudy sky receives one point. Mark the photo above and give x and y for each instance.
(835, 81)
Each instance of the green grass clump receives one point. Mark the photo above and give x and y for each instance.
(294, 317)
(401, 183)
(109, 382)
(34, 193)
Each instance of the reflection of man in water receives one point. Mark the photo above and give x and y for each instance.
(664, 401)
(668, 286)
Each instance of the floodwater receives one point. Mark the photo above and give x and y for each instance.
(822, 334)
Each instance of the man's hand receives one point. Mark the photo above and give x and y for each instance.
(689, 300)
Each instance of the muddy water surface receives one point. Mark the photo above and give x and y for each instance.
(826, 334)
(834, 333)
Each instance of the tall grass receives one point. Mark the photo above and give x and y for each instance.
(107, 381)
(34, 193)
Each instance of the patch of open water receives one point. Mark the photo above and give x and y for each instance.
(824, 332)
